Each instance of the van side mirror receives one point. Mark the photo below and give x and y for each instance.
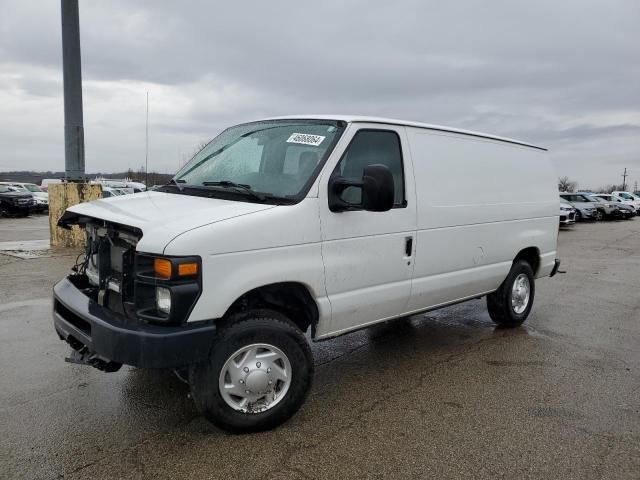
(378, 191)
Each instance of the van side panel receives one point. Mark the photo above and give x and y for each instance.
(480, 202)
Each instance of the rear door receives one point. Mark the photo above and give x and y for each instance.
(368, 256)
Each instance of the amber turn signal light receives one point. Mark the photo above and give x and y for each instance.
(186, 269)
(162, 268)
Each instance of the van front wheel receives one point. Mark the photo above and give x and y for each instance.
(257, 376)
(510, 305)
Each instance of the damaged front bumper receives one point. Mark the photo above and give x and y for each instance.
(106, 340)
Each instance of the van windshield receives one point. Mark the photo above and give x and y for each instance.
(273, 158)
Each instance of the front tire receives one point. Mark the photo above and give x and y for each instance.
(509, 306)
(257, 376)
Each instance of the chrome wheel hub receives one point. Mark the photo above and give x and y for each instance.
(255, 378)
(520, 294)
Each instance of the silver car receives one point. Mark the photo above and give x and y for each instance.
(625, 210)
(585, 209)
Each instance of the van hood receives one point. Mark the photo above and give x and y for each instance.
(159, 216)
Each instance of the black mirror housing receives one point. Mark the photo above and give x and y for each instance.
(378, 190)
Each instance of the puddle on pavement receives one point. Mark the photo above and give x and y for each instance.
(26, 249)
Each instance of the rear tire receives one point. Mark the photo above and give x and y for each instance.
(510, 305)
(258, 373)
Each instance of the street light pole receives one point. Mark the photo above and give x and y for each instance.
(75, 190)
(72, 79)
(146, 147)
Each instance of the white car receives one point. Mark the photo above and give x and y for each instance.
(282, 226)
(628, 198)
(567, 213)
(118, 185)
(44, 184)
(108, 192)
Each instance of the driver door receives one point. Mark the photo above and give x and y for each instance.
(368, 256)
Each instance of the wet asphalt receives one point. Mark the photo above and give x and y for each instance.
(440, 395)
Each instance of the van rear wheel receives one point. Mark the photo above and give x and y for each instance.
(257, 376)
(510, 305)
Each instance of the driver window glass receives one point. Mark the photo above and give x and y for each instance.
(370, 147)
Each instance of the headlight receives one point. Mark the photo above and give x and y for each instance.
(166, 288)
(163, 300)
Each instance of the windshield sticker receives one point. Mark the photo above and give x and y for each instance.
(306, 139)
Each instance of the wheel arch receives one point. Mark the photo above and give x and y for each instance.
(531, 255)
(292, 299)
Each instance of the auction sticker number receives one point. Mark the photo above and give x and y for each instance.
(306, 139)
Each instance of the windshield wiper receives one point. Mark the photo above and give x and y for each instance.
(237, 186)
(175, 182)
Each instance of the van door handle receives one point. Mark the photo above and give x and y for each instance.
(408, 246)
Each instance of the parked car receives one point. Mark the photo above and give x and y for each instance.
(585, 210)
(40, 198)
(125, 183)
(567, 213)
(44, 184)
(626, 210)
(137, 186)
(286, 225)
(121, 186)
(606, 209)
(15, 203)
(628, 198)
(108, 192)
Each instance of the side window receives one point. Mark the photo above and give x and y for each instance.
(370, 147)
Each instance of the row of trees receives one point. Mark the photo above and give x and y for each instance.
(565, 184)
(155, 178)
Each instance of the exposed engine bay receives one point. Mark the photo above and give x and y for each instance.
(105, 270)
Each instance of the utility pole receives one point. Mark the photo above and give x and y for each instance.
(75, 190)
(146, 148)
(624, 180)
(635, 189)
(72, 78)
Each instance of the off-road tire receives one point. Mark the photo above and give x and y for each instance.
(499, 302)
(246, 328)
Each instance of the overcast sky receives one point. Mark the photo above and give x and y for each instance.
(562, 74)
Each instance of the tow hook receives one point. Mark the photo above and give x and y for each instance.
(82, 356)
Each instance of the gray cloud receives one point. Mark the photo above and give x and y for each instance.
(564, 75)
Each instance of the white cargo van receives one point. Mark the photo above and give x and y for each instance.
(295, 224)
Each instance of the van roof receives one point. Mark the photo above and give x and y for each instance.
(393, 121)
